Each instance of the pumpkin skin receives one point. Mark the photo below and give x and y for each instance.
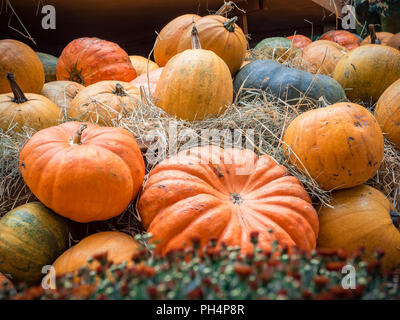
(382, 38)
(61, 93)
(344, 38)
(276, 48)
(142, 65)
(103, 102)
(387, 112)
(394, 41)
(119, 247)
(360, 218)
(168, 39)
(300, 41)
(49, 63)
(90, 60)
(19, 110)
(289, 84)
(340, 146)
(322, 56)
(366, 72)
(18, 58)
(208, 192)
(31, 236)
(90, 176)
(145, 79)
(220, 35)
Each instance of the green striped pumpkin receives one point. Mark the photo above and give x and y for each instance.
(31, 236)
(49, 63)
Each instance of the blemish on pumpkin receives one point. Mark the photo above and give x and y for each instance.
(357, 124)
(161, 186)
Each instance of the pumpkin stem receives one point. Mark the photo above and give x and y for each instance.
(119, 90)
(78, 136)
(395, 218)
(195, 38)
(19, 96)
(230, 24)
(236, 198)
(372, 34)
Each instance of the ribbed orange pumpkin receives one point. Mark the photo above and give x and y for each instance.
(168, 39)
(143, 65)
(300, 41)
(344, 38)
(195, 84)
(220, 35)
(90, 60)
(103, 102)
(387, 112)
(18, 110)
(83, 173)
(361, 217)
(18, 58)
(147, 79)
(118, 246)
(340, 146)
(208, 192)
(322, 56)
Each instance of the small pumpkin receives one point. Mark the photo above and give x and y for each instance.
(366, 72)
(208, 192)
(168, 39)
(118, 246)
(143, 65)
(322, 56)
(340, 146)
(194, 84)
(361, 217)
(387, 112)
(148, 78)
(31, 236)
(90, 60)
(289, 84)
(376, 37)
(277, 48)
(18, 58)
(18, 110)
(91, 173)
(394, 41)
(61, 93)
(220, 35)
(300, 41)
(49, 63)
(104, 102)
(342, 37)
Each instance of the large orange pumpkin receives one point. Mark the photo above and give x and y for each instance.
(387, 112)
(195, 84)
(83, 172)
(118, 246)
(90, 60)
(340, 146)
(147, 79)
(103, 102)
(322, 56)
(143, 65)
(18, 58)
(168, 39)
(18, 110)
(208, 192)
(220, 35)
(344, 38)
(361, 217)
(300, 41)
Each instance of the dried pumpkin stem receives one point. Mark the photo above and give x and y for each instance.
(119, 90)
(78, 136)
(195, 38)
(230, 24)
(372, 33)
(19, 96)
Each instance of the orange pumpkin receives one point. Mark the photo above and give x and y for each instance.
(104, 102)
(143, 65)
(376, 37)
(387, 112)
(195, 84)
(148, 78)
(83, 172)
(90, 60)
(322, 56)
(394, 41)
(168, 39)
(300, 41)
(208, 192)
(220, 35)
(361, 217)
(340, 146)
(344, 38)
(18, 58)
(118, 246)
(18, 110)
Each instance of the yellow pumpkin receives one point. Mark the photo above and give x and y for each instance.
(143, 65)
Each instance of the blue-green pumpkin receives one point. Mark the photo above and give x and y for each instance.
(278, 48)
(49, 63)
(31, 236)
(289, 84)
